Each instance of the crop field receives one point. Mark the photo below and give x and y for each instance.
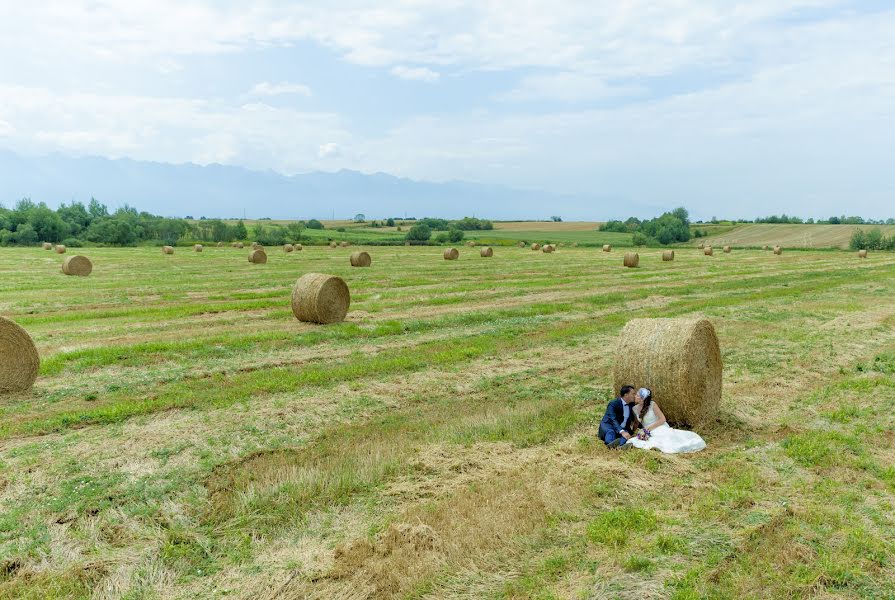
(789, 236)
(187, 437)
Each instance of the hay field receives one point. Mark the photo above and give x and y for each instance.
(790, 236)
(189, 438)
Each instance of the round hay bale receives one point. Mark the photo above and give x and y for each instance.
(240, 245)
(701, 245)
(470, 244)
(766, 248)
(708, 251)
(258, 257)
(298, 247)
(333, 245)
(522, 244)
(47, 246)
(167, 250)
(288, 248)
(678, 359)
(632, 259)
(862, 254)
(451, 254)
(19, 361)
(667, 255)
(535, 247)
(607, 247)
(220, 244)
(726, 249)
(256, 245)
(77, 265)
(60, 249)
(198, 248)
(345, 244)
(320, 298)
(360, 259)
(548, 248)
(778, 250)
(486, 252)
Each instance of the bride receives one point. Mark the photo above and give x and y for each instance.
(659, 434)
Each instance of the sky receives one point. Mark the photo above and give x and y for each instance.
(734, 109)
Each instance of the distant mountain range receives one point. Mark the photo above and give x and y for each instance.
(225, 191)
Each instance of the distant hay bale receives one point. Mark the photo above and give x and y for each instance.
(239, 245)
(198, 248)
(470, 243)
(60, 249)
(345, 244)
(607, 247)
(288, 248)
(47, 246)
(548, 248)
(535, 247)
(77, 265)
(679, 360)
(256, 246)
(298, 247)
(778, 250)
(19, 361)
(406, 243)
(258, 257)
(333, 244)
(632, 259)
(167, 250)
(522, 244)
(862, 254)
(320, 298)
(726, 249)
(667, 255)
(701, 245)
(360, 259)
(766, 248)
(451, 254)
(220, 244)
(708, 251)
(486, 252)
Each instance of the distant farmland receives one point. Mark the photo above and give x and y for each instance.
(792, 236)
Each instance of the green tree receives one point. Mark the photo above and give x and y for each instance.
(315, 224)
(239, 231)
(419, 233)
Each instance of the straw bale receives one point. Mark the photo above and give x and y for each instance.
(668, 255)
(607, 247)
(320, 298)
(470, 243)
(548, 248)
(726, 249)
(360, 259)
(333, 244)
(298, 247)
(167, 250)
(778, 250)
(708, 251)
(258, 257)
(522, 244)
(19, 361)
(862, 254)
(535, 247)
(47, 246)
(678, 359)
(77, 265)
(451, 254)
(198, 248)
(632, 259)
(486, 252)
(345, 244)
(60, 249)
(288, 248)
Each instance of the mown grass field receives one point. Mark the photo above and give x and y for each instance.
(188, 438)
(789, 236)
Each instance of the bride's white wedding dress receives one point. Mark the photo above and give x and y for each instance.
(667, 439)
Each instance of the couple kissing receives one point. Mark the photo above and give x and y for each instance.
(635, 419)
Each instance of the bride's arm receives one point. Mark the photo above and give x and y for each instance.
(660, 418)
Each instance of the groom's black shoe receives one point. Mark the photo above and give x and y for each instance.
(614, 443)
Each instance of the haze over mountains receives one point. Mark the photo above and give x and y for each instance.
(227, 191)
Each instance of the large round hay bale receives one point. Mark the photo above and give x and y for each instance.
(60, 249)
(862, 254)
(708, 251)
(19, 360)
(333, 244)
(167, 250)
(678, 359)
(486, 252)
(548, 248)
(535, 247)
(522, 244)
(288, 247)
(298, 247)
(632, 259)
(345, 244)
(451, 254)
(778, 250)
(258, 257)
(47, 246)
(607, 247)
(668, 255)
(77, 265)
(360, 259)
(726, 249)
(320, 298)
(198, 248)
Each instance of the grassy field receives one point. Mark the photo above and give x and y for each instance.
(789, 236)
(188, 438)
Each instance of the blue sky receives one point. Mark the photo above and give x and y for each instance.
(734, 109)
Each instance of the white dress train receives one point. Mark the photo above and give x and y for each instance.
(666, 438)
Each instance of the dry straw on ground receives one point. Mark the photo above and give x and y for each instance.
(678, 359)
(77, 265)
(360, 259)
(862, 254)
(548, 248)
(258, 257)
(167, 250)
(668, 255)
(535, 247)
(632, 259)
(607, 247)
(726, 249)
(708, 251)
(486, 252)
(47, 246)
(778, 250)
(198, 248)
(60, 249)
(19, 361)
(320, 298)
(451, 254)
(288, 247)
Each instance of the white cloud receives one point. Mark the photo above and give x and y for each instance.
(415, 73)
(277, 89)
(566, 87)
(329, 150)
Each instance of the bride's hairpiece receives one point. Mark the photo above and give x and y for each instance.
(644, 393)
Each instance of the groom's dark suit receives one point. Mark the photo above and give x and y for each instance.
(611, 425)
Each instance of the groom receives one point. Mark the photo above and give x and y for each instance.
(615, 428)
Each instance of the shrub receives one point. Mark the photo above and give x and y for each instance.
(314, 224)
(419, 233)
(72, 243)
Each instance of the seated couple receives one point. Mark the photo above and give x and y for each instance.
(633, 411)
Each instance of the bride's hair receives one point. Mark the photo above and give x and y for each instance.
(644, 408)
